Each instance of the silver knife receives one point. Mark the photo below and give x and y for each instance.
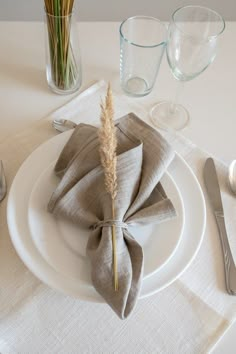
(213, 190)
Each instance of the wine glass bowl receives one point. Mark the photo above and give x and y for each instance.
(191, 47)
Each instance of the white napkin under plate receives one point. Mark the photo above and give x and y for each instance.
(187, 317)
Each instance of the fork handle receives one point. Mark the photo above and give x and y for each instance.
(230, 269)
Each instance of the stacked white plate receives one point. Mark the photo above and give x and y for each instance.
(55, 250)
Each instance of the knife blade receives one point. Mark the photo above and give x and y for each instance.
(213, 191)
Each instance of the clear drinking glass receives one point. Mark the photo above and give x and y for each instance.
(142, 44)
(191, 47)
(63, 63)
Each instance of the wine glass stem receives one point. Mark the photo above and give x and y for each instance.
(178, 92)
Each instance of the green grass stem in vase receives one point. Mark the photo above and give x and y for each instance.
(64, 74)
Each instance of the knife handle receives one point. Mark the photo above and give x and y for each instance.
(230, 269)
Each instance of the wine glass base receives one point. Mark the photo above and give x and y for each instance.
(164, 118)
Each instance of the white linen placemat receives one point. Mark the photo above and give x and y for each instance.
(187, 317)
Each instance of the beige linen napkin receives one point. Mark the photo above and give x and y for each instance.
(143, 156)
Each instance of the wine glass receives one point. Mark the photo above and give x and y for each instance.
(191, 47)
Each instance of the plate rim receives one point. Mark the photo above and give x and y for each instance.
(58, 287)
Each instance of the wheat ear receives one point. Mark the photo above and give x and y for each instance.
(108, 145)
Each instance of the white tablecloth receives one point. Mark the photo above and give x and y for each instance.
(187, 317)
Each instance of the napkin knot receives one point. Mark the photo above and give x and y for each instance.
(109, 223)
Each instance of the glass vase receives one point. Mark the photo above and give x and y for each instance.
(63, 63)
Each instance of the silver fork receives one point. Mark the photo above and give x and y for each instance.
(3, 183)
(63, 125)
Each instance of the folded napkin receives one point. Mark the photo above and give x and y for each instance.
(142, 157)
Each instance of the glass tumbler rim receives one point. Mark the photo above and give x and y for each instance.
(147, 18)
(199, 7)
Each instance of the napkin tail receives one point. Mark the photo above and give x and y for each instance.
(130, 268)
(136, 256)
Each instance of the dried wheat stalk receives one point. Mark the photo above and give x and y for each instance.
(108, 145)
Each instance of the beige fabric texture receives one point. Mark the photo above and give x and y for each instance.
(143, 156)
(189, 316)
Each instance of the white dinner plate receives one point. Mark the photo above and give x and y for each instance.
(18, 217)
(63, 244)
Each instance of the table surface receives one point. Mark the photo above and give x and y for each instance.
(210, 98)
